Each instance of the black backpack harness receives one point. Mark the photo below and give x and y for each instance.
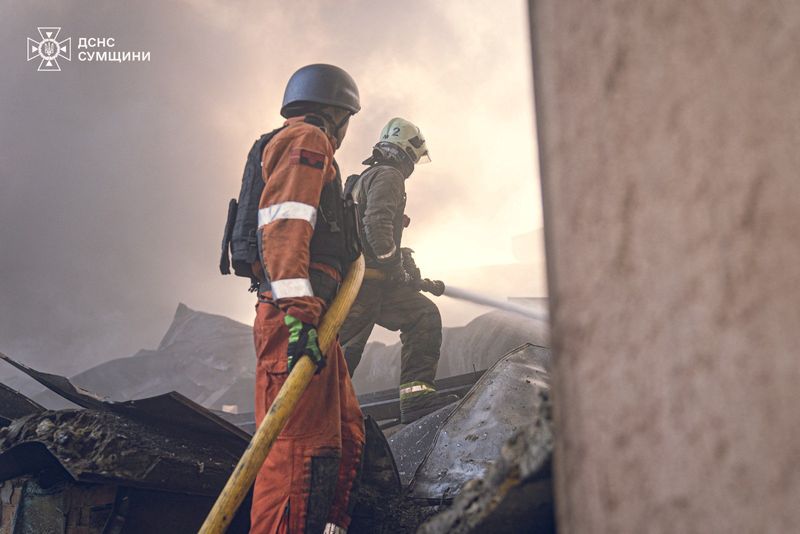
(335, 241)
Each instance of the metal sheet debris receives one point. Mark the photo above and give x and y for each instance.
(471, 437)
(14, 405)
(166, 411)
(516, 493)
(165, 458)
(411, 444)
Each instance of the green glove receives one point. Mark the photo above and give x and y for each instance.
(302, 341)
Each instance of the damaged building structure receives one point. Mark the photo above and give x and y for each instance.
(101, 463)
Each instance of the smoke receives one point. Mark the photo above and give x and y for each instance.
(114, 178)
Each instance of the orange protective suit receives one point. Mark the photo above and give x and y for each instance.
(308, 476)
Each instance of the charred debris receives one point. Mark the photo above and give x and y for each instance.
(156, 464)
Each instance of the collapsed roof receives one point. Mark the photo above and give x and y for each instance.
(160, 456)
(168, 445)
(14, 405)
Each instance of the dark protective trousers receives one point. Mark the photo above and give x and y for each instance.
(308, 476)
(395, 307)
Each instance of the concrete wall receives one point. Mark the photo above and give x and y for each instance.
(670, 140)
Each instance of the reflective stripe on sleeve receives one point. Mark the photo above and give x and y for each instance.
(388, 255)
(288, 210)
(291, 288)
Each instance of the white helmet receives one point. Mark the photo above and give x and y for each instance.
(407, 136)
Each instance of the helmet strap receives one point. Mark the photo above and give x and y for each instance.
(387, 153)
(330, 123)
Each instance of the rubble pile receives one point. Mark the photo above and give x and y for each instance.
(484, 462)
(156, 463)
(93, 445)
(148, 465)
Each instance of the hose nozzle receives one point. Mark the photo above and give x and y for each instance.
(434, 287)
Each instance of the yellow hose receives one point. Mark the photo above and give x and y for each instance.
(243, 476)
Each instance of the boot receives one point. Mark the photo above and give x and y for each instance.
(419, 406)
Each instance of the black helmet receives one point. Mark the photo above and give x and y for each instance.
(321, 84)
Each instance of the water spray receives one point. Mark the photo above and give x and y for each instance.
(483, 300)
(437, 287)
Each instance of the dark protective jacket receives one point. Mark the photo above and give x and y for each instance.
(380, 195)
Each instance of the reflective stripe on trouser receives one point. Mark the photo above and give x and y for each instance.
(415, 389)
(395, 307)
(319, 450)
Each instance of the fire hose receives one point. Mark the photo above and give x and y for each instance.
(243, 476)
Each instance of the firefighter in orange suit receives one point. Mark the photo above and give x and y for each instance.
(306, 482)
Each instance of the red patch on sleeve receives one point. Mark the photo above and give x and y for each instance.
(301, 156)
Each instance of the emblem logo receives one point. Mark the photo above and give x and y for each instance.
(49, 49)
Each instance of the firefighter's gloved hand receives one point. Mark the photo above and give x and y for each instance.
(410, 266)
(397, 274)
(302, 341)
